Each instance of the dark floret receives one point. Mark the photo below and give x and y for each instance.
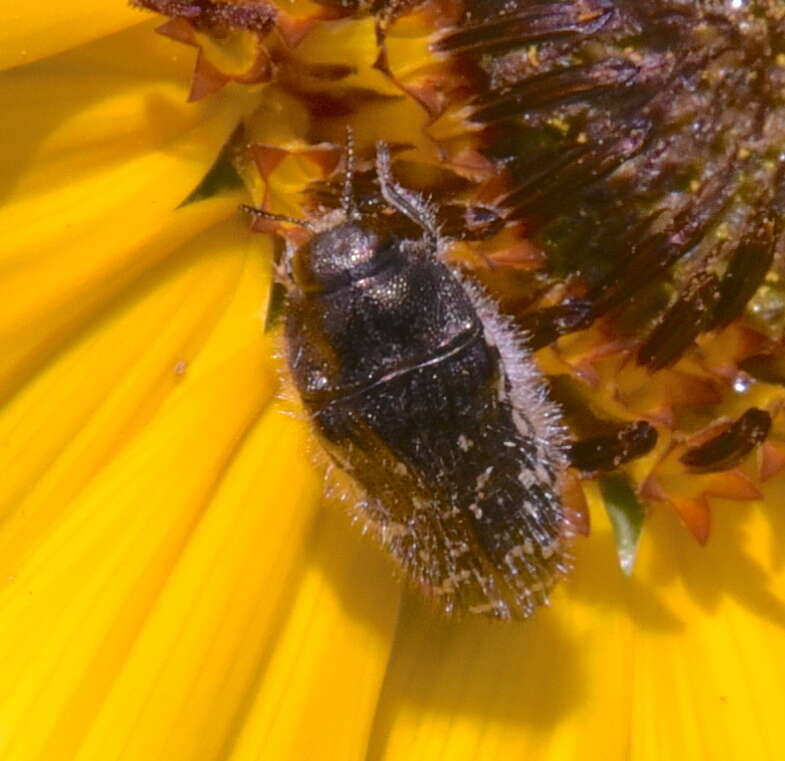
(253, 15)
(645, 145)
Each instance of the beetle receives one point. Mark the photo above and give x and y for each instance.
(429, 401)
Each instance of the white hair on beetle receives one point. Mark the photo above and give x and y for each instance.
(528, 393)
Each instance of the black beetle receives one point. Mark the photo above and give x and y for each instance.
(429, 401)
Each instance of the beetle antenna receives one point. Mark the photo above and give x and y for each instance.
(348, 203)
(262, 214)
(410, 204)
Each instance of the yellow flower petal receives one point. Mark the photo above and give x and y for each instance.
(120, 105)
(219, 613)
(71, 418)
(677, 662)
(75, 231)
(35, 30)
(322, 680)
(356, 40)
(77, 595)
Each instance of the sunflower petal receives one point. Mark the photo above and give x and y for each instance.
(325, 672)
(76, 231)
(637, 668)
(33, 31)
(120, 105)
(208, 632)
(97, 393)
(79, 589)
